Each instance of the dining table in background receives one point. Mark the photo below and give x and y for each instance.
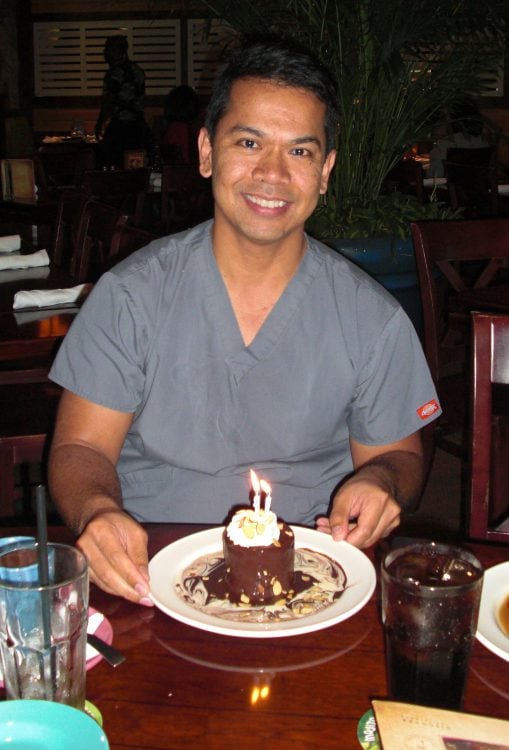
(37, 331)
(184, 687)
(34, 216)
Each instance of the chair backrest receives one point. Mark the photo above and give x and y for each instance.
(447, 255)
(92, 248)
(67, 228)
(125, 240)
(472, 181)
(406, 177)
(488, 512)
(186, 197)
(64, 164)
(479, 157)
(123, 188)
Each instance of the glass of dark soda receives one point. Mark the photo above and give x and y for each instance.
(430, 604)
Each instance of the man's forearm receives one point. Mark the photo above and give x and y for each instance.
(401, 473)
(83, 483)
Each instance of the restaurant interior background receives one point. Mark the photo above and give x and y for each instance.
(170, 39)
(180, 52)
(167, 38)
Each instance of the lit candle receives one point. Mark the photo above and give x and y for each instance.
(256, 487)
(268, 497)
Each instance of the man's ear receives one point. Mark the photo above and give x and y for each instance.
(205, 153)
(326, 170)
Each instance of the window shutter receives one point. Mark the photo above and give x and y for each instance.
(206, 43)
(68, 55)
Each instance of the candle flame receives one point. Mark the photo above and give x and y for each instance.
(265, 486)
(254, 482)
(257, 485)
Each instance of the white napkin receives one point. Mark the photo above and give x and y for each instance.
(93, 623)
(49, 297)
(39, 258)
(10, 242)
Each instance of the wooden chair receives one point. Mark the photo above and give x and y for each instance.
(68, 227)
(125, 240)
(406, 177)
(460, 266)
(92, 247)
(123, 188)
(64, 164)
(472, 181)
(488, 510)
(27, 418)
(186, 197)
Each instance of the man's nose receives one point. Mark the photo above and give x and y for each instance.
(271, 166)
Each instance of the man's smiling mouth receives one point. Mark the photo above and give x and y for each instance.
(265, 202)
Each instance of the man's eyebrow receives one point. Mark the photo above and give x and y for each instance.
(260, 134)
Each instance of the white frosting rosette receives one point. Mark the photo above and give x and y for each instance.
(253, 528)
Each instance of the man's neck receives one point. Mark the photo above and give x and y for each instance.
(255, 276)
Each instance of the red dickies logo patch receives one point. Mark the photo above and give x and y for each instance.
(428, 409)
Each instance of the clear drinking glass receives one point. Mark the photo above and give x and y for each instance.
(430, 604)
(43, 629)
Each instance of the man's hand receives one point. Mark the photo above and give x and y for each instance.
(116, 549)
(362, 512)
(368, 504)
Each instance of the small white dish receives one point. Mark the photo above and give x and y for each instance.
(495, 590)
(167, 565)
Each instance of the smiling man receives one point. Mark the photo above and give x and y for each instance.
(241, 343)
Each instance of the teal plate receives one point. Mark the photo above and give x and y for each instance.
(43, 725)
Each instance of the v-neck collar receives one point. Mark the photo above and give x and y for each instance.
(239, 356)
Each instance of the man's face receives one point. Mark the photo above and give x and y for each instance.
(267, 162)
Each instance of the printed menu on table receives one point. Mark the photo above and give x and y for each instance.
(402, 725)
(18, 180)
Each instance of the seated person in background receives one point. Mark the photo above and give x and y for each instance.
(181, 114)
(466, 132)
(121, 124)
(241, 343)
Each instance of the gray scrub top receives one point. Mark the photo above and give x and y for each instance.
(158, 337)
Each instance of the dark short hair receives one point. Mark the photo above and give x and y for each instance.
(280, 61)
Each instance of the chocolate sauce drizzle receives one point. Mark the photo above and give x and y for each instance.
(319, 581)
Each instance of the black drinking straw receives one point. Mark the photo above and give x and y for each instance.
(43, 568)
(42, 535)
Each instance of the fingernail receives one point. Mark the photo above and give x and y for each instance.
(146, 602)
(141, 589)
(337, 533)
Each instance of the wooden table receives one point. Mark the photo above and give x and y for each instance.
(35, 332)
(23, 215)
(181, 687)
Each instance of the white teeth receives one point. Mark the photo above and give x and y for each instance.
(265, 203)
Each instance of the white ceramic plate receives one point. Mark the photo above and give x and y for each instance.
(495, 589)
(167, 565)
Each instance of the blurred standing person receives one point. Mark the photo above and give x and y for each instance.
(121, 122)
(181, 113)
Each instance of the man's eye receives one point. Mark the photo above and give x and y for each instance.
(300, 151)
(248, 143)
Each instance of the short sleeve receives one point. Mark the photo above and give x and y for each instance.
(393, 387)
(102, 357)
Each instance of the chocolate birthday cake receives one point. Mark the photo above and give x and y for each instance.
(259, 557)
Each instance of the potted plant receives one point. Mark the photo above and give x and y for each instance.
(399, 66)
